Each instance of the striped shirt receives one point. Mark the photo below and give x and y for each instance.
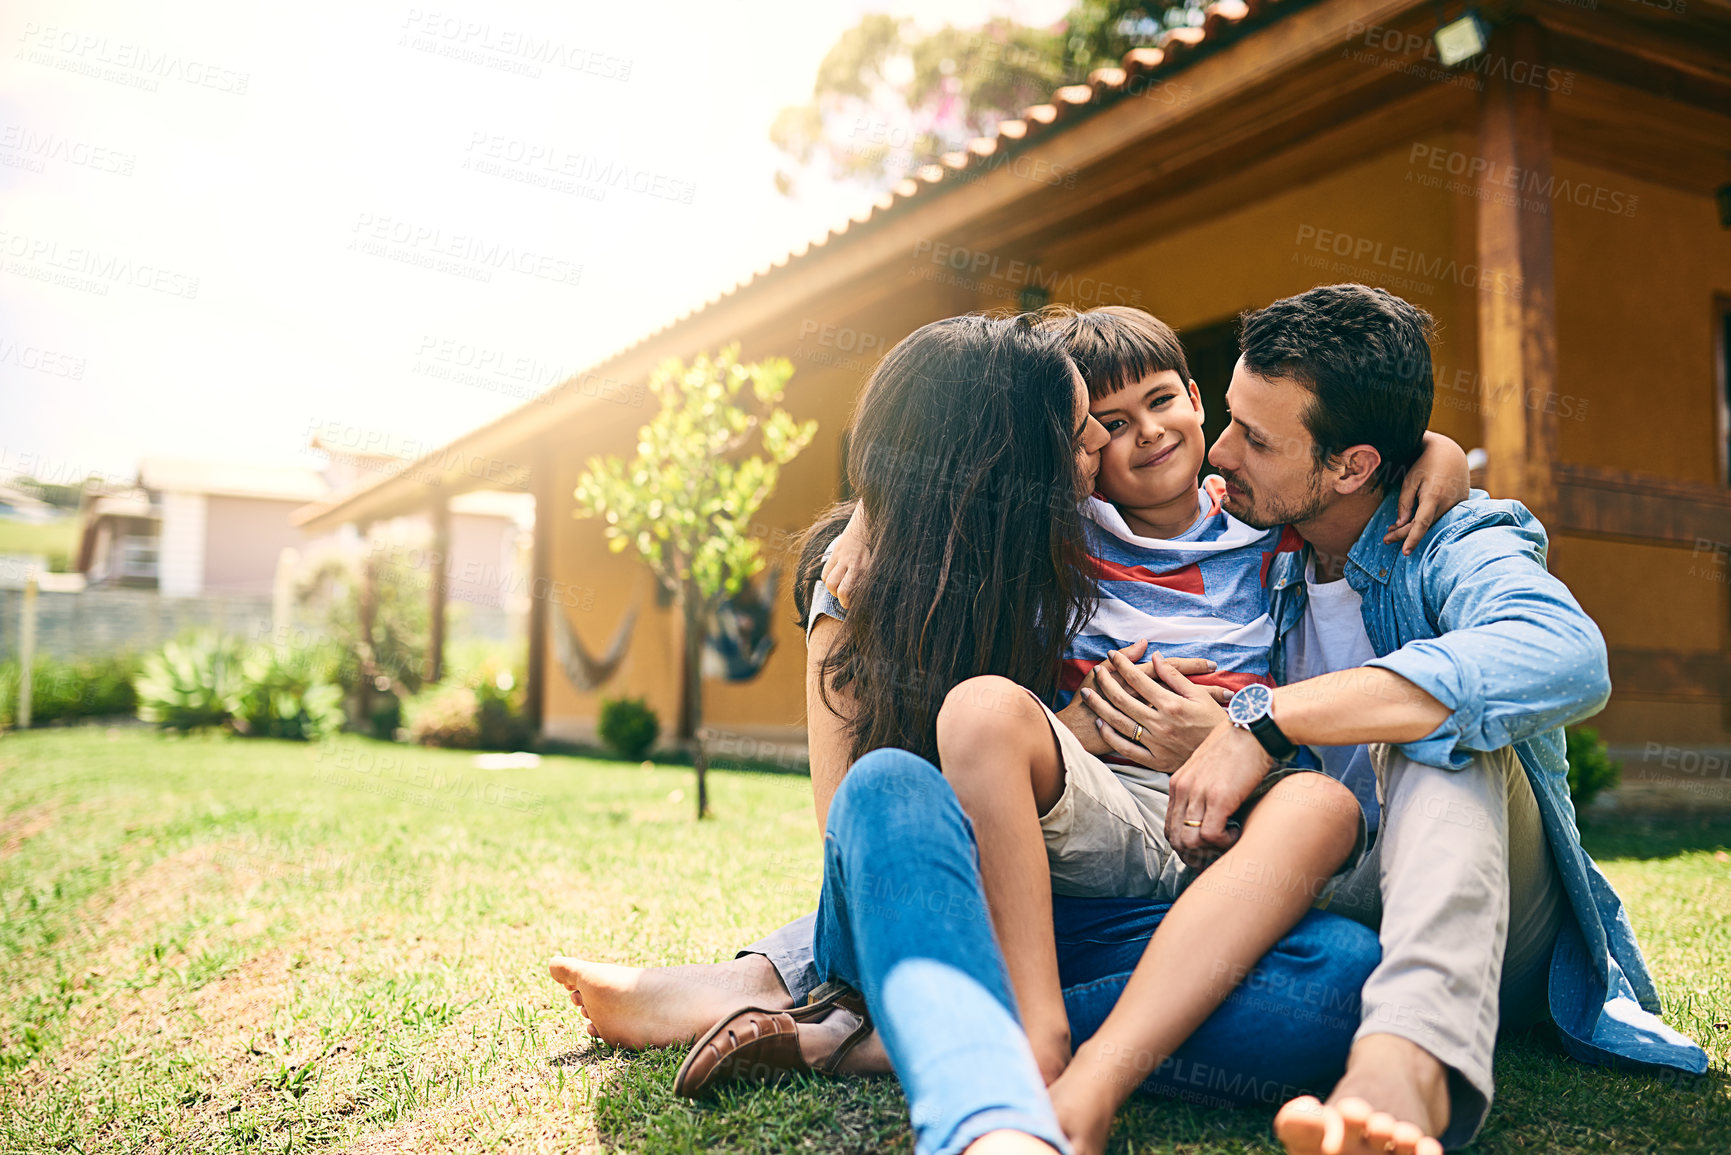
(1199, 595)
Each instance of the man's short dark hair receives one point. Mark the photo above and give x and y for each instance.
(1115, 346)
(1364, 354)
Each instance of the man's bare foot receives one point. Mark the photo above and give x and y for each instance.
(640, 1007)
(1393, 1097)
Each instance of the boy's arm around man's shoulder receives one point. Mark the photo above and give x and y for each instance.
(1514, 655)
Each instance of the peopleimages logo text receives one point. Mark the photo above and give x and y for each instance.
(980, 269)
(1401, 259)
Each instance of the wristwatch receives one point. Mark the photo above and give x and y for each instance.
(1250, 711)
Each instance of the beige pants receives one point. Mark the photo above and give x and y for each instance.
(1106, 834)
(1461, 888)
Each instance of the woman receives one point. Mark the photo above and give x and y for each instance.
(971, 449)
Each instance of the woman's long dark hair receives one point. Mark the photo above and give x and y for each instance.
(963, 453)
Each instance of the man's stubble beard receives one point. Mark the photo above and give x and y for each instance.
(1259, 514)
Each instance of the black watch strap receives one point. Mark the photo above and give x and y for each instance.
(1273, 739)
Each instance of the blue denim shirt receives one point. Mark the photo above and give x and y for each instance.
(1473, 618)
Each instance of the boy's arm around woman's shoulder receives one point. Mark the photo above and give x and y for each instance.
(827, 740)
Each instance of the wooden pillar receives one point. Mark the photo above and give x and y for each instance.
(1517, 301)
(368, 612)
(541, 484)
(438, 561)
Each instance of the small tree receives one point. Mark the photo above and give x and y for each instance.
(384, 641)
(684, 503)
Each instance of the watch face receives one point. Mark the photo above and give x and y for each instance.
(1250, 704)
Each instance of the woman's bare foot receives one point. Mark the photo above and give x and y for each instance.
(1393, 1098)
(640, 1007)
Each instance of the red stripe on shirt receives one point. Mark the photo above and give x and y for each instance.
(1075, 669)
(1186, 580)
(1289, 541)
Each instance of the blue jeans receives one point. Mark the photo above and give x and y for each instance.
(903, 919)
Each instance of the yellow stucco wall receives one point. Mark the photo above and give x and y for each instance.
(832, 357)
(1635, 308)
(1634, 305)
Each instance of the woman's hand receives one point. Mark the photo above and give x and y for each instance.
(1157, 721)
(849, 557)
(1436, 483)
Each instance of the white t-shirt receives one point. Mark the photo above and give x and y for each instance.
(1331, 637)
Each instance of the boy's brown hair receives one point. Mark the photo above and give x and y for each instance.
(1116, 345)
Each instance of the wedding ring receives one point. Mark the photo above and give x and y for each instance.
(1137, 736)
(1193, 822)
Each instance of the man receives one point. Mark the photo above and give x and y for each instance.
(1446, 676)
(1436, 684)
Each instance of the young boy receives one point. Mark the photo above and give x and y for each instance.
(1181, 574)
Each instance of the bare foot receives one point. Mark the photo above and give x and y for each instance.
(818, 1041)
(1393, 1098)
(640, 1007)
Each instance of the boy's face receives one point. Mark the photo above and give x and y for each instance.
(1156, 450)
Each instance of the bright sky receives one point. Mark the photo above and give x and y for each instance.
(217, 220)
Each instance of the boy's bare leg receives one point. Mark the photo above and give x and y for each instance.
(1294, 840)
(999, 754)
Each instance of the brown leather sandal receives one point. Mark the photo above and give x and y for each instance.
(755, 1045)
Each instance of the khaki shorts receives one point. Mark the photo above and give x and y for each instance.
(1106, 834)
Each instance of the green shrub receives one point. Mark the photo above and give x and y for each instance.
(286, 692)
(479, 710)
(385, 716)
(444, 715)
(190, 684)
(1591, 770)
(499, 707)
(63, 688)
(628, 727)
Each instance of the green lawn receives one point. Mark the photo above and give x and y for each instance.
(57, 539)
(221, 945)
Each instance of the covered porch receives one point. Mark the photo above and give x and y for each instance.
(1552, 201)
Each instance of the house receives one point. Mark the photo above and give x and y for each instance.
(1559, 201)
(207, 529)
(190, 528)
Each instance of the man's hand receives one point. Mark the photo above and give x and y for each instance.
(848, 560)
(1208, 790)
(1086, 724)
(1155, 721)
